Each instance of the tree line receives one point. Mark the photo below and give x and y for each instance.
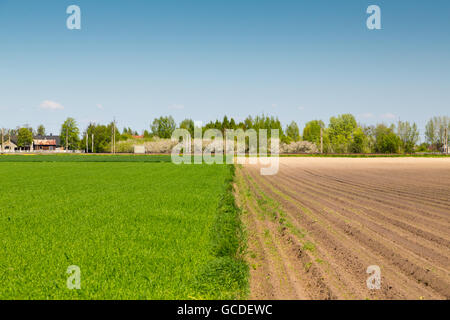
(342, 134)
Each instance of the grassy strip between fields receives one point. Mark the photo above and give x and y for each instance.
(167, 158)
(228, 271)
(84, 158)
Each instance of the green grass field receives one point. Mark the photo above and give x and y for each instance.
(136, 230)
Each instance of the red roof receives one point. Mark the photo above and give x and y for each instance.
(45, 142)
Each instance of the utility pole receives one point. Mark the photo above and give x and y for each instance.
(67, 139)
(1, 150)
(445, 141)
(87, 142)
(112, 140)
(92, 143)
(321, 140)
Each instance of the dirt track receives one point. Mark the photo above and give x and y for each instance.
(316, 226)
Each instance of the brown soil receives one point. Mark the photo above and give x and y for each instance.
(315, 227)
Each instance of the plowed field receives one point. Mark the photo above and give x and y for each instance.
(316, 226)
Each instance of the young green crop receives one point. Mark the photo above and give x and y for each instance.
(136, 230)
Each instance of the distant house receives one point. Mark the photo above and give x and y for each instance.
(13, 140)
(9, 146)
(46, 143)
(40, 143)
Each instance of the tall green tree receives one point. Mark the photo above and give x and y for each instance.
(102, 138)
(163, 127)
(189, 125)
(70, 134)
(435, 131)
(293, 132)
(340, 132)
(359, 143)
(248, 123)
(430, 133)
(41, 130)
(24, 137)
(233, 124)
(147, 134)
(225, 124)
(409, 136)
(369, 132)
(386, 140)
(311, 132)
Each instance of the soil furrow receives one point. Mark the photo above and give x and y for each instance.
(343, 247)
(356, 212)
(352, 229)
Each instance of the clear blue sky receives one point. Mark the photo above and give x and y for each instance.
(298, 60)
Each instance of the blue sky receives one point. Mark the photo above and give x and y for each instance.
(298, 60)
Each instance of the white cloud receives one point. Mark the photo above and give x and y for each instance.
(51, 105)
(366, 115)
(301, 108)
(388, 116)
(176, 106)
(100, 106)
(274, 105)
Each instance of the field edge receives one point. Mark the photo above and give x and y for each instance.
(228, 271)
